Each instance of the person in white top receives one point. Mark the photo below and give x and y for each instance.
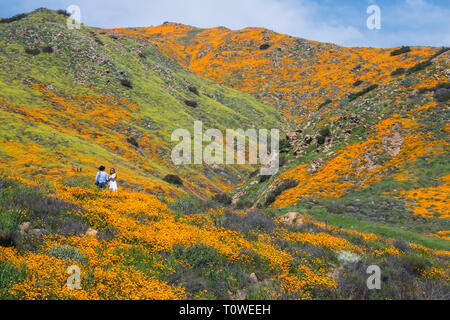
(113, 180)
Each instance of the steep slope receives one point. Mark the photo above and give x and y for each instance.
(294, 74)
(74, 99)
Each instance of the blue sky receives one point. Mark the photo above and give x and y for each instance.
(403, 22)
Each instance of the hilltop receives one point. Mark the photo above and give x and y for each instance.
(363, 178)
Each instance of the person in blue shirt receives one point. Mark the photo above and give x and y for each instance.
(101, 178)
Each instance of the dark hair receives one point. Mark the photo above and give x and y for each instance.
(102, 168)
(112, 170)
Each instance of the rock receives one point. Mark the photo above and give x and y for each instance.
(253, 277)
(91, 233)
(25, 227)
(38, 232)
(293, 217)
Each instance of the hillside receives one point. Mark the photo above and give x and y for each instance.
(363, 178)
(385, 130)
(294, 74)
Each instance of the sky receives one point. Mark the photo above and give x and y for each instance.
(343, 22)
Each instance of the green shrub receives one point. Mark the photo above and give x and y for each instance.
(243, 204)
(400, 51)
(222, 198)
(353, 96)
(186, 206)
(133, 141)
(173, 179)
(64, 13)
(198, 255)
(194, 90)
(191, 103)
(326, 102)
(325, 132)
(419, 66)
(47, 49)
(33, 52)
(126, 83)
(17, 17)
(67, 253)
(10, 220)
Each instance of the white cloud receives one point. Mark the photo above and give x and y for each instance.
(407, 22)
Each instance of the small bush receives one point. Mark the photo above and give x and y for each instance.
(33, 52)
(194, 90)
(191, 103)
(284, 146)
(264, 46)
(173, 179)
(14, 18)
(126, 83)
(320, 140)
(325, 132)
(419, 66)
(402, 246)
(8, 239)
(353, 96)
(264, 178)
(186, 206)
(358, 83)
(415, 263)
(283, 160)
(400, 51)
(64, 13)
(244, 204)
(222, 198)
(67, 253)
(398, 71)
(254, 220)
(285, 185)
(327, 102)
(198, 255)
(442, 95)
(47, 49)
(133, 141)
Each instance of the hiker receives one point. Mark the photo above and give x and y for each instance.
(112, 180)
(101, 178)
